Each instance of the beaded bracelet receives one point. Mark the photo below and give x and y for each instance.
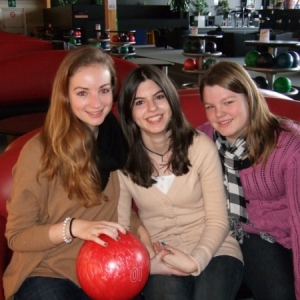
(67, 241)
(70, 229)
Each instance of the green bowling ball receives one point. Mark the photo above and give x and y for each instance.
(73, 41)
(94, 44)
(282, 85)
(187, 47)
(209, 62)
(251, 58)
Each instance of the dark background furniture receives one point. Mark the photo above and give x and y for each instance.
(130, 17)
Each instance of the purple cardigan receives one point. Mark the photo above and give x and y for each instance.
(274, 194)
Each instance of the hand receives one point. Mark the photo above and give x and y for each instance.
(179, 260)
(159, 267)
(90, 230)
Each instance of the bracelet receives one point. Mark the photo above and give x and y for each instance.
(67, 241)
(70, 228)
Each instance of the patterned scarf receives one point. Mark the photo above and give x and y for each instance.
(232, 161)
(232, 157)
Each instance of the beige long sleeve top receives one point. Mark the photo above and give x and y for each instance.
(192, 216)
(32, 209)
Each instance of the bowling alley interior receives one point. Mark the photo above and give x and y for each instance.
(183, 38)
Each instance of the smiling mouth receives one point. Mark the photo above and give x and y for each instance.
(225, 122)
(94, 113)
(155, 118)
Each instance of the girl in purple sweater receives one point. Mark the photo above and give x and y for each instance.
(260, 155)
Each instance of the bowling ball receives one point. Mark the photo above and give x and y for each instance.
(296, 58)
(210, 46)
(282, 85)
(124, 38)
(131, 38)
(104, 45)
(261, 82)
(187, 47)
(209, 62)
(95, 44)
(189, 64)
(265, 60)
(104, 36)
(251, 58)
(114, 49)
(131, 49)
(198, 62)
(115, 38)
(124, 50)
(196, 47)
(284, 60)
(116, 272)
(73, 41)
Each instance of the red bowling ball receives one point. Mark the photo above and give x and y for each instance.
(189, 64)
(116, 272)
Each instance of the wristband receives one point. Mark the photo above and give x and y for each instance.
(70, 228)
(67, 241)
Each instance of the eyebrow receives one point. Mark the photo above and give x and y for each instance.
(84, 88)
(160, 91)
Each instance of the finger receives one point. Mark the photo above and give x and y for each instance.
(98, 241)
(115, 225)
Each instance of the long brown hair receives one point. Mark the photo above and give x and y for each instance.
(263, 127)
(139, 166)
(69, 145)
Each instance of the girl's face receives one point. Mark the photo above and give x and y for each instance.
(90, 95)
(151, 110)
(226, 111)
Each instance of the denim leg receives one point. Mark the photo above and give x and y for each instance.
(162, 287)
(220, 280)
(48, 288)
(268, 269)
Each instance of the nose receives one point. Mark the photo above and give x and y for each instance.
(152, 105)
(95, 100)
(219, 111)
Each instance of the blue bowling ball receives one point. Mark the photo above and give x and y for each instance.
(284, 60)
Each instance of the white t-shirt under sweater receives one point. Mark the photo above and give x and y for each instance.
(191, 215)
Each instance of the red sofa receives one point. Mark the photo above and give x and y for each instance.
(26, 86)
(194, 111)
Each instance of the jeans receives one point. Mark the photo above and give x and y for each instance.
(48, 288)
(268, 270)
(220, 280)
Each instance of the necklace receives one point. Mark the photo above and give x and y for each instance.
(161, 155)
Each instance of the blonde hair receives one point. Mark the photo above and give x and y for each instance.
(69, 145)
(263, 126)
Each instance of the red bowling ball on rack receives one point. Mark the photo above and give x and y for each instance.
(116, 272)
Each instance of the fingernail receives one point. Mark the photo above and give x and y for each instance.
(163, 243)
(170, 252)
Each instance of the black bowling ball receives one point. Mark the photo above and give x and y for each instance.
(265, 60)
(210, 46)
(196, 47)
(261, 82)
(296, 57)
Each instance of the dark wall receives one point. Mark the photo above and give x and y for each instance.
(280, 19)
(130, 17)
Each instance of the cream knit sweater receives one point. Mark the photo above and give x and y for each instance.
(192, 216)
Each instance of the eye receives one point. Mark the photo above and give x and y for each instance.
(207, 107)
(228, 102)
(105, 90)
(81, 93)
(160, 96)
(138, 102)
